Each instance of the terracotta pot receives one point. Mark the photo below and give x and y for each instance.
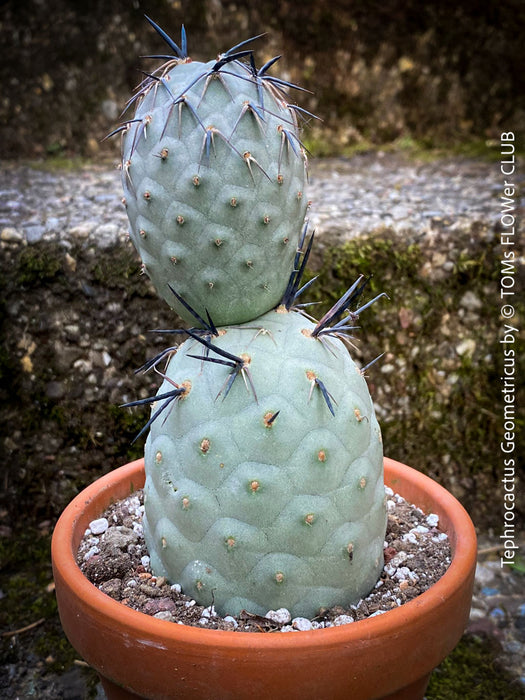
(388, 656)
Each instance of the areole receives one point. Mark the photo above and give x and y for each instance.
(388, 656)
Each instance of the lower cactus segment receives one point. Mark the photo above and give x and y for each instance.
(264, 473)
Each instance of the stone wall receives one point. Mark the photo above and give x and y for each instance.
(436, 72)
(75, 316)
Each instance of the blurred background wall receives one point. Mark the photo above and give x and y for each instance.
(439, 73)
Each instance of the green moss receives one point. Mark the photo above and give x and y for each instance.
(379, 258)
(120, 269)
(8, 370)
(43, 263)
(30, 545)
(471, 673)
(24, 579)
(127, 423)
(58, 162)
(436, 393)
(430, 149)
(325, 143)
(38, 264)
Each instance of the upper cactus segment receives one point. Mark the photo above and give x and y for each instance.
(214, 176)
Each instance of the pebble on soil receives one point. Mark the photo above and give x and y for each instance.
(114, 557)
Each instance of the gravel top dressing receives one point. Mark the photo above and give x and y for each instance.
(114, 557)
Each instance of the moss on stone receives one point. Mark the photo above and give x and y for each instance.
(119, 268)
(39, 264)
(438, 388)
(29, 598)
(471, 672)
(128, 423)
(25, 576)
(323, 143)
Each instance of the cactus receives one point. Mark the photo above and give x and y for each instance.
(264, 466)
(214, 177)
(271, 494)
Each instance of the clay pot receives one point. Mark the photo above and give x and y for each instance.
(388, 656)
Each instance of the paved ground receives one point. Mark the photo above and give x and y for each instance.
(349, 197)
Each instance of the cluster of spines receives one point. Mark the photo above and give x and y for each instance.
(258, 77)
(331, 324)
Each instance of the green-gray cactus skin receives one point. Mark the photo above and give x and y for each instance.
(272, 495)
(214, 179)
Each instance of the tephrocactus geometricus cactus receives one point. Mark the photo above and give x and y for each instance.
(264, 470)
(214, 177)
(267, 499)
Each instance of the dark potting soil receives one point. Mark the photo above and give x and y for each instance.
(114, 557)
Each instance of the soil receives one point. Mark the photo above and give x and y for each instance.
(416, 554)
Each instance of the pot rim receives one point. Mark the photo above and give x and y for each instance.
(460, 530)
